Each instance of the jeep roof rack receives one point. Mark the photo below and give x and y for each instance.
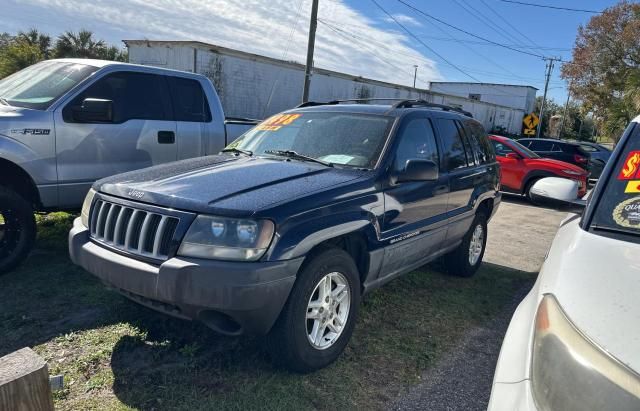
(424, 103)
(402, 103)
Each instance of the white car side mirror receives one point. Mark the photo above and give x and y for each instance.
(558, 193)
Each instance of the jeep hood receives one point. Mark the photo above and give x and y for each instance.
(225, 184)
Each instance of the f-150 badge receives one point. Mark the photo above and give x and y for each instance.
(32, 131)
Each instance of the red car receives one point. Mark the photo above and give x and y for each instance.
(521, 167)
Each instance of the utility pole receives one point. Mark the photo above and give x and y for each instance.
(415, 74)
(564, 115)
(312, 41)
(546, 87)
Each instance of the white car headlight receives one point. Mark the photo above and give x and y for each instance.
(86, 207)
(227, 238)
(569, 372)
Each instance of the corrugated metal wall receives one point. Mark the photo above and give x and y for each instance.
(256, 87)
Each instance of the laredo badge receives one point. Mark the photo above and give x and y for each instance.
(627, 213)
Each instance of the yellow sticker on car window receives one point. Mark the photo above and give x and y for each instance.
(633, 186)
(276, 122)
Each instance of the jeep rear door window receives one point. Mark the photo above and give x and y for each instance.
(617, 211)
(416, 141)
(189, 100)
(475, 136)
(39, 86)
(135, 96)
(335, 137)
(454, 153)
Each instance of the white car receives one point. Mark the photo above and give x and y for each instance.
(574, 341)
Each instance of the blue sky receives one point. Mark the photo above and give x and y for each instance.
(354, 36)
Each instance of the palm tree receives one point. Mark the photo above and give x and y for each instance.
(34, 38)
(81, 44)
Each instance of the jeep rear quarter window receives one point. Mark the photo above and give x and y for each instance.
(617, 212)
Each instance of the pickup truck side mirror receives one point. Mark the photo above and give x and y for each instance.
(558, 192)
(419, 170)
(94, 110)
(513, 156)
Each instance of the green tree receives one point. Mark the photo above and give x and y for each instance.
(79, 45)
(34, 38)
(16, 55)
(605, 69)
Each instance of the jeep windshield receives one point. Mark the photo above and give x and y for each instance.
(617, 212)
(347, 139)
(40, 85)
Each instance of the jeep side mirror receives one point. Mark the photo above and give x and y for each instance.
(559, 193)
(419, 170)
(94, 110)
(513, 156)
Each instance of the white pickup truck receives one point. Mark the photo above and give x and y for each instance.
(66, 123)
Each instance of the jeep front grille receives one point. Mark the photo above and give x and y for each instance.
(132, 230)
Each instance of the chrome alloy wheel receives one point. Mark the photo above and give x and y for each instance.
(476, 244)
(328, 310)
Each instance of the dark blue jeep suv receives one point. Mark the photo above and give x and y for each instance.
(285, 230)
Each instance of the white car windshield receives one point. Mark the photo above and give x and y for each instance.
(617, 212)
(40, 85)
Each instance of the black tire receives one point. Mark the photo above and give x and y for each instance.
(527, 190)
(458, 261)
(289, 342)
(17, 229)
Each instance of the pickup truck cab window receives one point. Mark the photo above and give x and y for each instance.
(349, 139)
(39, 86)
(134, 96)
(189, 100)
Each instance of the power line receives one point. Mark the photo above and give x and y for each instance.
(466, 32)
(546, 6)
(423, 43)
(522, 35)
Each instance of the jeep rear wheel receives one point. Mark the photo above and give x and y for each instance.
(317, 322)
(17, 229)
(465, 260)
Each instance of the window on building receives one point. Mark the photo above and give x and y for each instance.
(473, 96)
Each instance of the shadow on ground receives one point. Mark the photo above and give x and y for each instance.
(115, 353)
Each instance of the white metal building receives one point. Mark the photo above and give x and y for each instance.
(256, 86)
(510, 95)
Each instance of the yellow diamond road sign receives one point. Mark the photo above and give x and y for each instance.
(531, 120)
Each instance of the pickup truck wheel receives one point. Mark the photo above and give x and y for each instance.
(465, 260)
(17, 229)
(317, 322)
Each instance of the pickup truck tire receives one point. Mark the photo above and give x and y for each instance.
(465, 260)
(318, 319)
(17, 229)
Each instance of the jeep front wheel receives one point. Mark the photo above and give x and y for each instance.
(318, 319)
(17, 229)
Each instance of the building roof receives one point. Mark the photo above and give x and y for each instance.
(482, 84)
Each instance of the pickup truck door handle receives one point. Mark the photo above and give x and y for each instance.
(443, 189)
(166, 137)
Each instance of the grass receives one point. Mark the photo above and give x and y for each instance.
(117, 355)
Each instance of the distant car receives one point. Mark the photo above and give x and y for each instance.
(574, 341)
(598, 157)
(567, 151)
(521, 167)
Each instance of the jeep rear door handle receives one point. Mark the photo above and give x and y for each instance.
(166, 137)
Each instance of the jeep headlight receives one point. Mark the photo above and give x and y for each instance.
(569, 372)
(86, 207)
(227, 238)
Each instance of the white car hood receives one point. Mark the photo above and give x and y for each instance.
(597, 282)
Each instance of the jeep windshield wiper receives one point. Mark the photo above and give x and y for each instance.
(237, 150)
(4, 101)
(297, 156)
